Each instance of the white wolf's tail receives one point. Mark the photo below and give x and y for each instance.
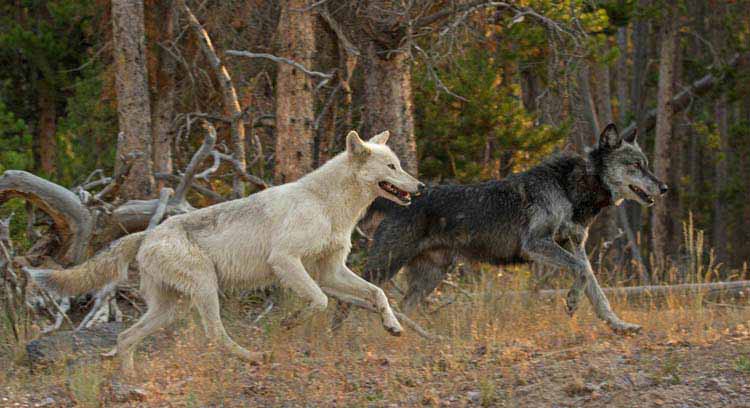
(105, 267)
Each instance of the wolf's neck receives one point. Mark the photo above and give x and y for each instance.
(344, 197)
(587, 192)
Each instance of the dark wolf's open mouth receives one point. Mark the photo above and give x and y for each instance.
(389, 188)
(642, 194)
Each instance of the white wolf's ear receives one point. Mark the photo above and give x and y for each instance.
(631, 137)
(355, 146)
(610, 137)
(380, 138)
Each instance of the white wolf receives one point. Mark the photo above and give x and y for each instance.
(294, 234)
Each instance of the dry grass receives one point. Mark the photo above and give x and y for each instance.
(498, 351)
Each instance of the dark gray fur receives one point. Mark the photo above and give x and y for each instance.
(540, 215)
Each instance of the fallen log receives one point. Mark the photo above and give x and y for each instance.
(632, 293)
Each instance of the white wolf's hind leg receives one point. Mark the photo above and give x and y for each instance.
(207, 303)
(343, 280)
(162, 310)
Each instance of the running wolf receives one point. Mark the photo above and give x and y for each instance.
(294, 234)
(541, 215)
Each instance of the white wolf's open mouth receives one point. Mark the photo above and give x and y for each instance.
(642, 194)
(389, 188)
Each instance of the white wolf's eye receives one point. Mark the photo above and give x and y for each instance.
(392, 166)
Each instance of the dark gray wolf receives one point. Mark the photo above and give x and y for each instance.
(541, 215)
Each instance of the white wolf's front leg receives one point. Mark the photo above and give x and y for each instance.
(292, 274)
(342, 280)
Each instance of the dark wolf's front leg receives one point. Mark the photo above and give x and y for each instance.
(546, 250)
(575, 237)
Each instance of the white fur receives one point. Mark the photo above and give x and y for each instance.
(297, 234)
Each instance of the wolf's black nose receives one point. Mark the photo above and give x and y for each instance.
(663, 189)
(421, 187)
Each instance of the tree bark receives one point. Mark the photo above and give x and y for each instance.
(160, 21)
(721, 214)
(665, 114)
(388, 103)
(47, 142)
(134, 148)
(295, 135)
(641, 48)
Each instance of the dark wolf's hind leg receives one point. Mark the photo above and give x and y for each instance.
(424, 273)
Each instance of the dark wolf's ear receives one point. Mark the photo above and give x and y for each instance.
(610, 137)
(355, 146)
(630, 138)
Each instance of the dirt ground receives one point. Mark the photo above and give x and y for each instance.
(494, 354)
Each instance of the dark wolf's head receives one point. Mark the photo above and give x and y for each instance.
(624, 168)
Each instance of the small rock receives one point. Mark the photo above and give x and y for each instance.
(85, 344)
(719, 385)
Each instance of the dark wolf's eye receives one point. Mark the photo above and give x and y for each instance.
(392, 166)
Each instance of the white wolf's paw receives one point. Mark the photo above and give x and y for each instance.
(393, 327)
(625, 328)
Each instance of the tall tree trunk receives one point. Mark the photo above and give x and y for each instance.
(743, 234)
(134, 148)
(621, 78)
(641, 49)
(721, 221)
(388, 103)
(160, 21)
(295, 135)
(721, 213)
(623, 110)
(602, 95)
(660, 224)
(47, 160)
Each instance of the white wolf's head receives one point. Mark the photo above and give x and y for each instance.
(379, 168)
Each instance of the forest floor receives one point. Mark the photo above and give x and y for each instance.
(497, 352)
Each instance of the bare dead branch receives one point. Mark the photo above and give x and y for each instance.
(257, 181)
(173, 178)
(198, 157)
(282, 60)
(229, 93)
(73, 221)
(350, 48)
(450, 11)
(266, 310)
(161, 208)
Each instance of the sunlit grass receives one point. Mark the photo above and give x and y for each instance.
(493, 344)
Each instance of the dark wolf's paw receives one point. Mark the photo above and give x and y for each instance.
(571, 305)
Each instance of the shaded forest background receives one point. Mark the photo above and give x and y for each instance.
(470, 90)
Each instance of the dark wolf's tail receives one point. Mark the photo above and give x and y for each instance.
(105, 267)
